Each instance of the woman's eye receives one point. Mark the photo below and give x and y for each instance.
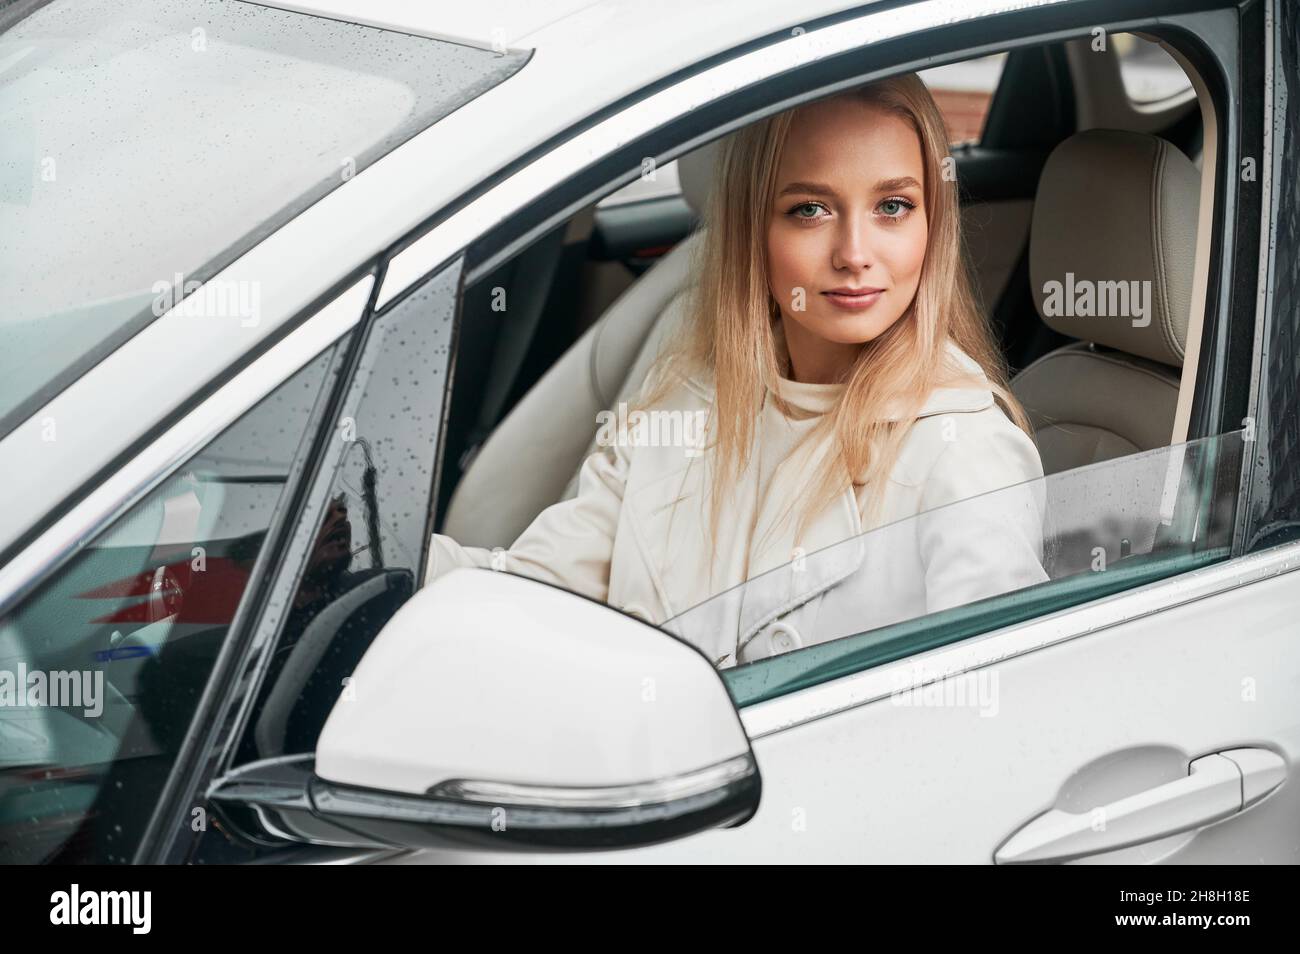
(807, 210)
(896, 208)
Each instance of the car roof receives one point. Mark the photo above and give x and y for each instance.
(481, 23)
(527, 24)
(586, 54)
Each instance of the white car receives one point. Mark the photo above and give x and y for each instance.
(288, 286)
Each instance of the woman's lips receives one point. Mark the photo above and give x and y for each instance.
(853, 301)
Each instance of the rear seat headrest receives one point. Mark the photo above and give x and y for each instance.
(695, 173)
(1113, 242)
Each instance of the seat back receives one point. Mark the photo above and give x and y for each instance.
(1112, 246)
(533, 457)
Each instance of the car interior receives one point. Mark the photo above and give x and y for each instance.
(1070, 172)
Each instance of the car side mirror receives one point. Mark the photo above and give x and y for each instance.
(497, 711)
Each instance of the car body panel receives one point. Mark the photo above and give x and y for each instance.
(1072, 725)
(500, 23)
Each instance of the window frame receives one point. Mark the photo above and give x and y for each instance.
(1258, 528)
(1219, 404)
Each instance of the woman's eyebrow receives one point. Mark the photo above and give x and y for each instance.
(899, 182)
(808, 188)
(820, 188)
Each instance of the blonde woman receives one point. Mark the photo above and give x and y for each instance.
(848, 380)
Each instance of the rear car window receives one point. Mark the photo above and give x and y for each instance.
(963, 92)
(146, 144)
(1149, 73)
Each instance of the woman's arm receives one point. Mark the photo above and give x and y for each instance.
(980, 529)
(568, 544)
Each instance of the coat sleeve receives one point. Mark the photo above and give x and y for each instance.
(569, 544)
(980, 530)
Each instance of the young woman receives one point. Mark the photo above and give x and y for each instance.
(849, 381)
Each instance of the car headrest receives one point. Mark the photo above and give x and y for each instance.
(1113, 242)
(695, 173)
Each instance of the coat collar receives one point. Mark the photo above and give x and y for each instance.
(969, 391)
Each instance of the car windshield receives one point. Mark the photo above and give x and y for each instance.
(146, 144)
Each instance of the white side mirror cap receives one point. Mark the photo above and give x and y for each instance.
(495, 709)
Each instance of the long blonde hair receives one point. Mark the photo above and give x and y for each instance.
(730, 314)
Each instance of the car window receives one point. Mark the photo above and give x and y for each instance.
(985, 562)
(1149, 73)
(145, 144)
(370, 526)
(657, 182)
(102, 667)
(963, 92)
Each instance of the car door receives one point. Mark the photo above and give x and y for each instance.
(1135, 709)
(812, 738)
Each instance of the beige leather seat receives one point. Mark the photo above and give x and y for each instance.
(1111, 206)
(532, 458)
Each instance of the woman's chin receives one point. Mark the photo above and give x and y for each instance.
(851, 329)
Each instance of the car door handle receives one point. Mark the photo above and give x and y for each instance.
(1216, 787)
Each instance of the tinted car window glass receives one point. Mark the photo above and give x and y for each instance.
(102, 667)
(370, 529)
(963, 92)
(1149, 73)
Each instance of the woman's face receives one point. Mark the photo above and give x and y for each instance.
(847, 231)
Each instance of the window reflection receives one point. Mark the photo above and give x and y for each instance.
(139, 615)
(363, 561)
(1105, 528)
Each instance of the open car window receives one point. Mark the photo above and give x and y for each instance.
(989, 561)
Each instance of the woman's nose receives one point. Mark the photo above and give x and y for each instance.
(853, 247)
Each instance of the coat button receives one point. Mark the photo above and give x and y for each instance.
(784, 638)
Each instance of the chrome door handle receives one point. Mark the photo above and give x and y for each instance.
(1216, 787)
